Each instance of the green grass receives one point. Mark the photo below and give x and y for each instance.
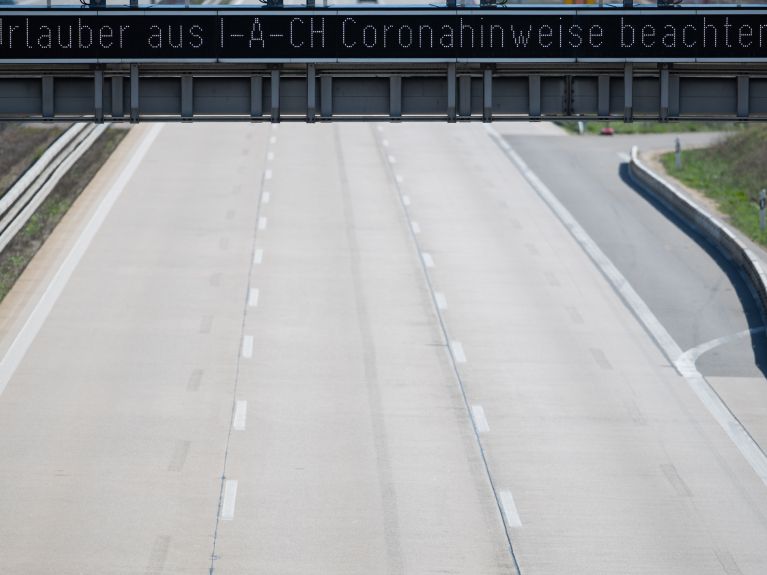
(23, 247)
(731, 173)
(595, 127)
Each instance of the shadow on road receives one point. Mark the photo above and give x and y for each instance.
(739, 281)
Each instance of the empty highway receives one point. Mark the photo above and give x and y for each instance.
(360, 348)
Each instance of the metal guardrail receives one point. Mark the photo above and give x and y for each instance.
(33, 187)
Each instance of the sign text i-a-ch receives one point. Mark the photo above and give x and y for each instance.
(398, 35)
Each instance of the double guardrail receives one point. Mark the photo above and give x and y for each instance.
(21, 201)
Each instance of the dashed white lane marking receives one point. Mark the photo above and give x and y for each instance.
(265, 197)
(247, 346)
(258, 256)
(230, 497)
(275, 127)
(624, 157)
(240, 415)
(441, 300)
(399, 179)
(480, 421)
(702, 389)
(427, 260)
(416, 228)
(262, 223)
(270, 156)
(385, 143)
(18, 348)
(379, 128)
(268, 174)
(253, 297)
(273, 140)
(509, 509)
(406, 200)
(392, 159)
(458, 353)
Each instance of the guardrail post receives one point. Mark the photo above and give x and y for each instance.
(464, 96)
(603, 96)
(395, 97)
(534, 90)
(451, 91)
(664, 94)
(487, 95)
(311, 92)
(134, 94)
(47, 97)
(98, 96)
(275, 90)
(117, 97)
(326, 96)
(187, 96)
(628, 93)
(256, 97)
(743, 97)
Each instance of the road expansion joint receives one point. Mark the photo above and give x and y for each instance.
(228, 487)
(503, 500)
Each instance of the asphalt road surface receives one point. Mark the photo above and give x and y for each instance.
(361, 349)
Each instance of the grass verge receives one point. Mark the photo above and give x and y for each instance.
(22, 248)
(20, 147)
(731, 173)
(595, 127)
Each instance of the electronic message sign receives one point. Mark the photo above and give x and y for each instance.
(407, 35)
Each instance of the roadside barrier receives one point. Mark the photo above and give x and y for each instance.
(30, 190)
(716, 233)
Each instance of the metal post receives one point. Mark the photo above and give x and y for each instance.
(98, 96)
(47, 97)
(664, 94)
(134, 94)
(395, 97)
(451, 92)
(487, 95)
(187, 96)
(678, 154)
(628, 93)
(311, 92)
(326, 96)
(256, 97)
(275, 92)
(762, 205)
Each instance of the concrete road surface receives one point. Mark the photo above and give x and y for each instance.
(346, 349)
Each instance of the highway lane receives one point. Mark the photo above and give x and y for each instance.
(697, 295)
(345, 349)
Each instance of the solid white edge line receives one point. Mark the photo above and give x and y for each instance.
(247, 346)
(253, 297)
(686, 368)
(258, 256)
(509, 509)
(230, 498)
(480, 421)
(18, 348)
(458, 353)
(427, 260)
(262, 223)
(240, 415)
(441, 300)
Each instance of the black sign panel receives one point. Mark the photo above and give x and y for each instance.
(391, 35)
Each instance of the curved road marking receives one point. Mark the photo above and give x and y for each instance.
(705, 393)
(691, 355)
